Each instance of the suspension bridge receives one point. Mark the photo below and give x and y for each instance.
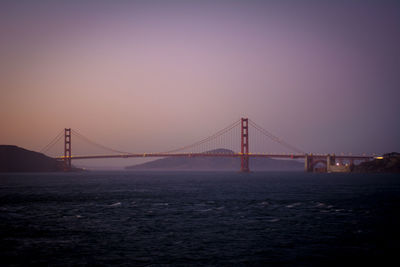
(235, 138)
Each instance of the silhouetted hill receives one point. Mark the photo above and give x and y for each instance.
(16, 159)
(217, 163)
(389, 163)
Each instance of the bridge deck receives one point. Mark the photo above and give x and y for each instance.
(227, 155)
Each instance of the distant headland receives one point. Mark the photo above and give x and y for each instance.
(388, 163)
(217, 163)
(17, 159)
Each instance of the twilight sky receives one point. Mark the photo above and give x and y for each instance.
(147, 76)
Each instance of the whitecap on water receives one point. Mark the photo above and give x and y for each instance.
(293, 205)
(115, 204)
(205, 210)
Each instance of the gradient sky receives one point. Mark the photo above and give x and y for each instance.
(146, 76)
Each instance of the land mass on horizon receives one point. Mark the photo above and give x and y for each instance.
(17, 159)
(388, 163)
(218, 163)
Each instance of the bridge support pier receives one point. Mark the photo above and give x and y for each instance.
(351, 164)
(244, 167)
(330, 161)
(67, 149)
(308, 163)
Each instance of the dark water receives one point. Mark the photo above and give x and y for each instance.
(188, 218)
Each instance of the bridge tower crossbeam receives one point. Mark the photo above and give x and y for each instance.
(67, 148)
(244, 145)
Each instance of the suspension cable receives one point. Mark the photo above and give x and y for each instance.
(196, 144)
(97, 144)
(217, 134)
(52, 142)
(275, 138)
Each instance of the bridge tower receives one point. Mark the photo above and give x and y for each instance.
(67, 148)
(244, 145)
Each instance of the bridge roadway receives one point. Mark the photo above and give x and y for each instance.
(228, 155)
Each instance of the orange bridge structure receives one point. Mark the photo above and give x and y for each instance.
(209, 146)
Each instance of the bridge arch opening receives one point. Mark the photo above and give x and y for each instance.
(319, 165)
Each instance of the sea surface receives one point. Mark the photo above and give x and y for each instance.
(198, 218)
